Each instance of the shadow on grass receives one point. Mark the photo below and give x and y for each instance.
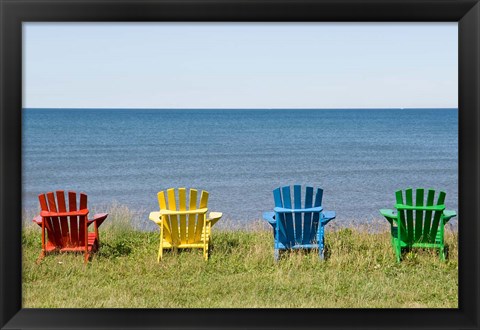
(412, 255)
(227, 246)
(284, 254)
(119, 249)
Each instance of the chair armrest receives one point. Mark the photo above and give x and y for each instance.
(64, 214)
(38, 220)
(155, 217)
(270, 217)
(283, 210)
(327, 216)
(197, 211)
(213, 217)
(422, 208)
(98, 218)
(389, 215)
(448, 214)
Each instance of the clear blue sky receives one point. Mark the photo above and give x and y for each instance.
(240, 65)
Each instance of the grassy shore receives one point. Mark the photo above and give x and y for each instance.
(360, 271)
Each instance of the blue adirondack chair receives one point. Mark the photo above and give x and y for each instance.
(297, 226)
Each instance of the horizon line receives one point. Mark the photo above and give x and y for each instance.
(343, 108)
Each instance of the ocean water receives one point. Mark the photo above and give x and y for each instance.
(359, 157)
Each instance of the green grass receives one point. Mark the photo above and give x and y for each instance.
(360, 272)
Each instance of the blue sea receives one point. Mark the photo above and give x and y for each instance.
(360, 157)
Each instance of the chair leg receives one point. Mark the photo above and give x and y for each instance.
(160, 253)
(86, 258)
(40, 257)
(397, 248)
(320, 243)
(321, 252)
(276, 255)
(398, 253)
(442, 253)
(95, 245)
(205, 253)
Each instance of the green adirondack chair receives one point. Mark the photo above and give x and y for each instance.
(418, 223)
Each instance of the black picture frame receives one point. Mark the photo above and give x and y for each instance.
(14, 12)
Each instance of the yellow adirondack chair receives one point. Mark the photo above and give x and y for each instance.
(182, 227)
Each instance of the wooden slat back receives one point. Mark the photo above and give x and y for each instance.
(318, 197)
(436, 217)
(307, 218)
(316, 216)
(277, 197)
(66, 231)
(171, 200)
(42, 198)
(182, 206)
(200, 224)
(72, 206)
(162, 203)
(418, 226)
(288, 223)
(43, 202)
(57, 233)
(64, 225)
(82, 221)
(183, 229)
(418, 230)
(409, 201)
(203, 199)
(402, 224)
(173, 219)
(297, 203)
(297, 228)
(428, 217)
(192, 218)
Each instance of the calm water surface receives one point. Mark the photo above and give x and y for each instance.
(359, 157)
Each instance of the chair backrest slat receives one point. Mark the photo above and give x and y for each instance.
(82, 221)
(201, 217)
(277, 198)
(401, 215)
(307, 218)
(287, 203)
(297, 203)
(409, 201)
(203, 199)
(47, 221)
(64, 225)
(428, 216)
(167, 232)
(419, 215)
(192, 218)
(316, 216)
(437, 216)
(172, 203)
(72, 206)
(182, 206)
(52, 205)
(173, 219)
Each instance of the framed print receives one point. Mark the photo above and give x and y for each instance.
(239, 164)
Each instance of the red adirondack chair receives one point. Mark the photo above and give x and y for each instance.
(67, 230)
